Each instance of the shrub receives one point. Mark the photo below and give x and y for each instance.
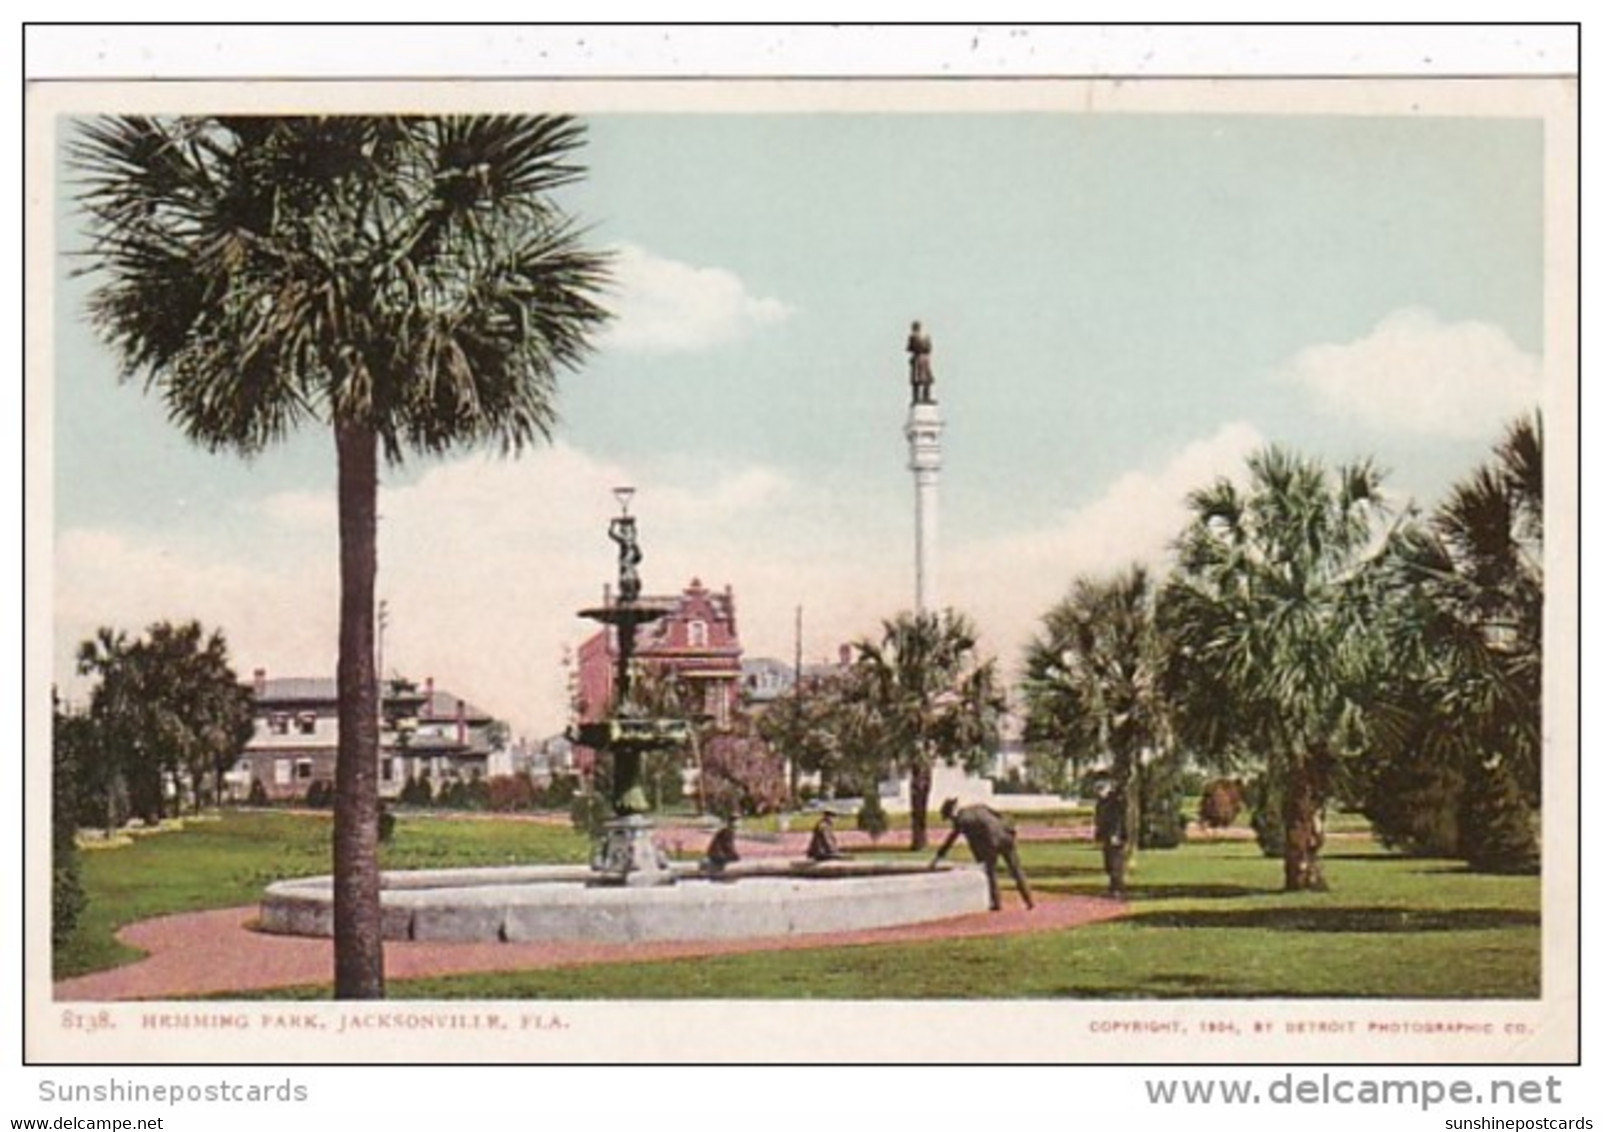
(386, 824)
(739, 775)
(1268, 824)
(1163, 821)
(66, 887)
(590, 811)
(258, 793)
(506, 793)
(1415, 806)
(319, 795)
(1222, 799)
(559, 793)
(871, 816)
(1497, 827)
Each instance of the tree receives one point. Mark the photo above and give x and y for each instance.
(922, 694)
(1270, 618)
(1091, 688)
(168, 713)
(1458, 767)
(406, 282)
(740, 775)
(803, 727)
(66, 886)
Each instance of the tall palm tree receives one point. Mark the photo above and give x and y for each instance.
(1092, 675)
(926, 696)
(1269, 615)
(406, 282)
(1465, 621)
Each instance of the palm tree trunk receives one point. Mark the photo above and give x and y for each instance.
(918, 792)
(358, 936)
(1300, 814)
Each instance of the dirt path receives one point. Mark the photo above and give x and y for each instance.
(200, 953)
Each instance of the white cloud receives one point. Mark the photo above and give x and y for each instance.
(664, 306)
(1008, 583)
(485, 562)
(1415, 373)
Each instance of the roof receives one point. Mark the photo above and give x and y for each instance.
(311, 691)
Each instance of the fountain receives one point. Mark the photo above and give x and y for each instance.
(625, 853)
(631, 891)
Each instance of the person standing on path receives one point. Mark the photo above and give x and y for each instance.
(1112, 831)
(989, 836)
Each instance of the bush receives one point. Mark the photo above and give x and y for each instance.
(1268, 822)
(590, 811)
(871, 816)
(258, 793)
(1222, 800)
(1498, 827)
(739, 775)
(1163, 796)
(386, 824)
(66, 887)
(506, 793)
(1416, 806)
(320, 794)
(558, 794)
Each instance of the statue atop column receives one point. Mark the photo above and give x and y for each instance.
(920, 373)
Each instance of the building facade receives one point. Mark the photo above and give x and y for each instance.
(697, 642)
(296, 739)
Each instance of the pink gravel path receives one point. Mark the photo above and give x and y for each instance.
(199, 953)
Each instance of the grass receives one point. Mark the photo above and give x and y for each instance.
(226, 863)
(1206, 921)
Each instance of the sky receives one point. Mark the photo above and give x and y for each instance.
(1123, 307)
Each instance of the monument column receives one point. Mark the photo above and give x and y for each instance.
(923, 432)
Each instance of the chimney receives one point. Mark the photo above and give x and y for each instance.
(428, 697)
(259, 679)
(461, 723)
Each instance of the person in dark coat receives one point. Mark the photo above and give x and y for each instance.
(823, 846)
(1112, 831)
(722, 852)
(989, 836)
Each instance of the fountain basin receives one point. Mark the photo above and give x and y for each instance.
(521, 904)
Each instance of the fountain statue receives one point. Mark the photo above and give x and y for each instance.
(625, 852)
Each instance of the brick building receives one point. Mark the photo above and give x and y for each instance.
(697, 641)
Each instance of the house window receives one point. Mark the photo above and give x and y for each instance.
(697, 631)
(303, 769)
(283, 772)
(386, 770)
(278, 723)
(306, 723)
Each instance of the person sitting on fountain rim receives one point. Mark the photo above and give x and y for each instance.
(989, 836)
(823, 846)
(722, 852)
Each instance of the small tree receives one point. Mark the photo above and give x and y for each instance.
(66, 887)
(871, 816)
(740, 775)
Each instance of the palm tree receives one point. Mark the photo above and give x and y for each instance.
(1269, 616)
(924, 695)
(1091, 682)
(1464, 716)
(406, 282)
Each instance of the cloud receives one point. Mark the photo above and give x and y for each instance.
(484, 563)
(1009, 582)
(1414, 373)
(664, 306)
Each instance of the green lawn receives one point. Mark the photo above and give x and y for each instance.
(1206, 920)
(222, 864)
